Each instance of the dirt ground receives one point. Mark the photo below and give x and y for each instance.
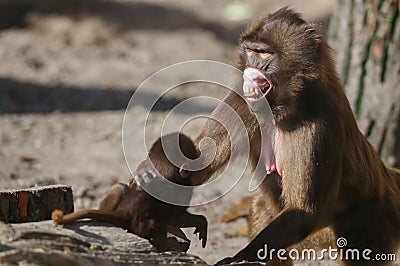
(68, 70)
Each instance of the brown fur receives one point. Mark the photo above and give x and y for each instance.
(331, 176)
(132, 208)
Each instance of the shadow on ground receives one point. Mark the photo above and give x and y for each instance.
(20, 97)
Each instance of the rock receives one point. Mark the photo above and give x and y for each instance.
(81, 243)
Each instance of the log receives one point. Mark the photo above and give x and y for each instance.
(34, 204)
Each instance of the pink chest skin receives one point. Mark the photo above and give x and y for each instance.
(270, 157)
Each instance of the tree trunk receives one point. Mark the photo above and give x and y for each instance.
(365, 35)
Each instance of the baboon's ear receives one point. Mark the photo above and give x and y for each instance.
(313, 31)
(184, 173)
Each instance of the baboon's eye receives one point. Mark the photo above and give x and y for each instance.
(249, 52)
(264, 55)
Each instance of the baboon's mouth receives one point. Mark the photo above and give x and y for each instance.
(255, 84)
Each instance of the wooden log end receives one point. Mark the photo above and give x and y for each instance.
(34, 204)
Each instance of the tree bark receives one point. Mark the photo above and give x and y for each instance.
(365, 35)
(35, 204)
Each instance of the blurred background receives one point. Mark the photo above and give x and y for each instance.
(69, 68)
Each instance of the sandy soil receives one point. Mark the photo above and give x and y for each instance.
(67, 74)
